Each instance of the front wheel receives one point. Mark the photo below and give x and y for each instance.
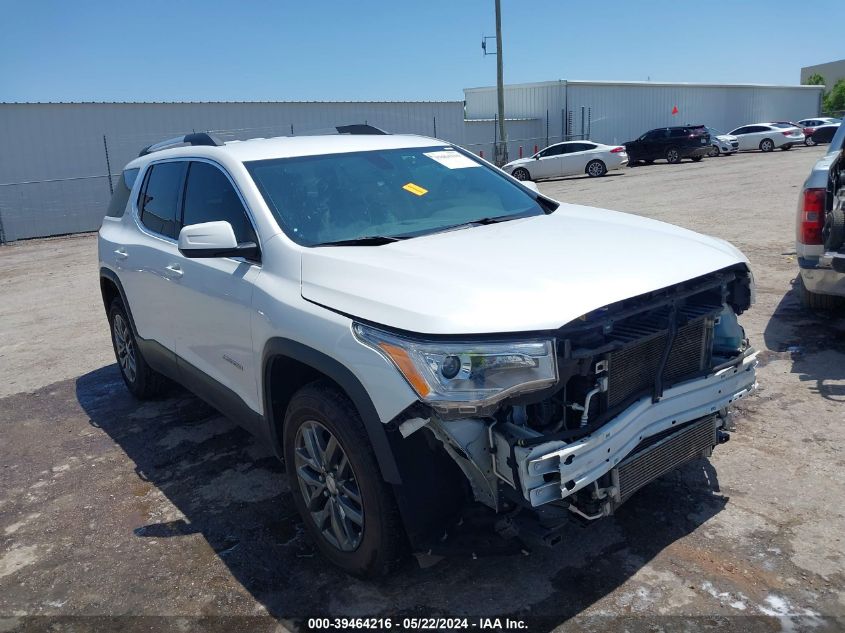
(596, 168)
(767, 145)
(785, 148)
(714, 151)
(809, 141)
(521, 174)
(673, 156)
(696, 159)
(347, 508)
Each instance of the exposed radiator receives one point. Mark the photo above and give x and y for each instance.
(632, 369)
(654, 459)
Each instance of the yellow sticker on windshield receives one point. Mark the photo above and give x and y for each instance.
(415, 189)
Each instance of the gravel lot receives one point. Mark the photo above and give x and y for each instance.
(109, 507)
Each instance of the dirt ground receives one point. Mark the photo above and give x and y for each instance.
(115, 513)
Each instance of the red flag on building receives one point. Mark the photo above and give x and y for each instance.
(674, 110)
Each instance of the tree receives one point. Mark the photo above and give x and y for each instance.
(834, 101)
(815, 80)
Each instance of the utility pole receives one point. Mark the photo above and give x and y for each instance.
(502, 149)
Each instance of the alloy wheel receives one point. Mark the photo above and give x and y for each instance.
(596, 169)
(672, 156)
(329, 487)
(125, 346)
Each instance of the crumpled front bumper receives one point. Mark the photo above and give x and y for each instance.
(554, 470)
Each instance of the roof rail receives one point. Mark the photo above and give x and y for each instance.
(359, 128)
(197, 138)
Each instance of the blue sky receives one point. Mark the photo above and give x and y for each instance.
(351, 50)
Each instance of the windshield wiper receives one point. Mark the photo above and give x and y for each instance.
(482, 222)
(364, 240)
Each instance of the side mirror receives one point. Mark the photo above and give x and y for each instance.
(531, 185)
(536, 157)
(213, 239)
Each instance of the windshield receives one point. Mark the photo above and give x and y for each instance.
(714, 132)
(384, 193)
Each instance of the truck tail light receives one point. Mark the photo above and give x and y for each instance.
(616, 150)
(811, 216)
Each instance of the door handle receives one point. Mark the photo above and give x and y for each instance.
(174, 270)
(121, 253)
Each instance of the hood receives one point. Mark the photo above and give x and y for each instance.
(514, 163)
(536, 273)
(726, 138)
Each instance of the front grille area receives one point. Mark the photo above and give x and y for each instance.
(647, 464)
(632, 370)
(734, 143)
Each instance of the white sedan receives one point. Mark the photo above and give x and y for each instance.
(569, 158)
(767, 136)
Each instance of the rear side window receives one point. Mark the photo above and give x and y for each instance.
(121, 193)
(159, 202)
(210, 197)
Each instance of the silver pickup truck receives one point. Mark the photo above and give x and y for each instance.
(820, 230)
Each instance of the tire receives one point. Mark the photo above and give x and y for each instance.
(815, 301)
(767, 145)
(696, 159)
(833, 231)
(521, 174)
(714, 151)
(142, 380)
(351, 481)
(785, 148)
(673, 156)
(596, 169)
(809, 142)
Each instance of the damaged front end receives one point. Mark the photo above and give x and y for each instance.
(584, 418)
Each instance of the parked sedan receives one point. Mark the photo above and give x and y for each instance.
(721, 143)
(569, 158)
(767, 136)
(819, 121)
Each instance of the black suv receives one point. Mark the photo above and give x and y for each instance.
(671, 143)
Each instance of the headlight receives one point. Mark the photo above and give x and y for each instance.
(466, 377)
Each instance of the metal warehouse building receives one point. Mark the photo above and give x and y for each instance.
(618, 111)
(58, 161)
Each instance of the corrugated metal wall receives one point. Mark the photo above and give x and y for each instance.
(618, 112)
(53, 163)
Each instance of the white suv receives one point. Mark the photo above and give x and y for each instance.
(412, 330)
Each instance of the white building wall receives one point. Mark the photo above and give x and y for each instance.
(615, 112)
(53, 176)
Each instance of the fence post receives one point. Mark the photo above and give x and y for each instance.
(547, 128)
(108, 165)
(495, 127)
(434, 120)
(2, 233)
(520, 151)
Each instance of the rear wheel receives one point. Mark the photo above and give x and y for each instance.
(141, 379)
(596, 168)
(347, 508)
(809, 141)
(767, 145)
(673, 155)
(697, 159)
(815, 301)
(785, 148)
(521, 174)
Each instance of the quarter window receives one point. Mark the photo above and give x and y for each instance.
(160, 200)
(121, 193)
(210, 197)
